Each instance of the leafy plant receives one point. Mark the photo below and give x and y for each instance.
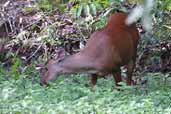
(90, 8)
(14, 73)
(166, 5)
(52, 4)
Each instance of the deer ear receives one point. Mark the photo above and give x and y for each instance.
(60, 54)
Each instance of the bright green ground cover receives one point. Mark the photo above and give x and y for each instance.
(71, 95)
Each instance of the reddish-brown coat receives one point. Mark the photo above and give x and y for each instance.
(108, 49)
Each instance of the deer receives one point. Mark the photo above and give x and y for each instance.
(106, 51)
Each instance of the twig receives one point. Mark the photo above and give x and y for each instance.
(31, 24)
(35, 52)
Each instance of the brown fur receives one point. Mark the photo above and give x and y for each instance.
(106, 51)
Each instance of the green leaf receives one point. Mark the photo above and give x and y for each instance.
(14, 68)
(93, 9)
(87, 9)
(78, 11)
(61, 7)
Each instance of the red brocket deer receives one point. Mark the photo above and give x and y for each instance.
(108, 49)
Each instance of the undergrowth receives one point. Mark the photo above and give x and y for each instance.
(71, 95)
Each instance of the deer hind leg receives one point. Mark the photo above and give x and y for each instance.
(117, 77)
(93, 81)
(130, 70)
